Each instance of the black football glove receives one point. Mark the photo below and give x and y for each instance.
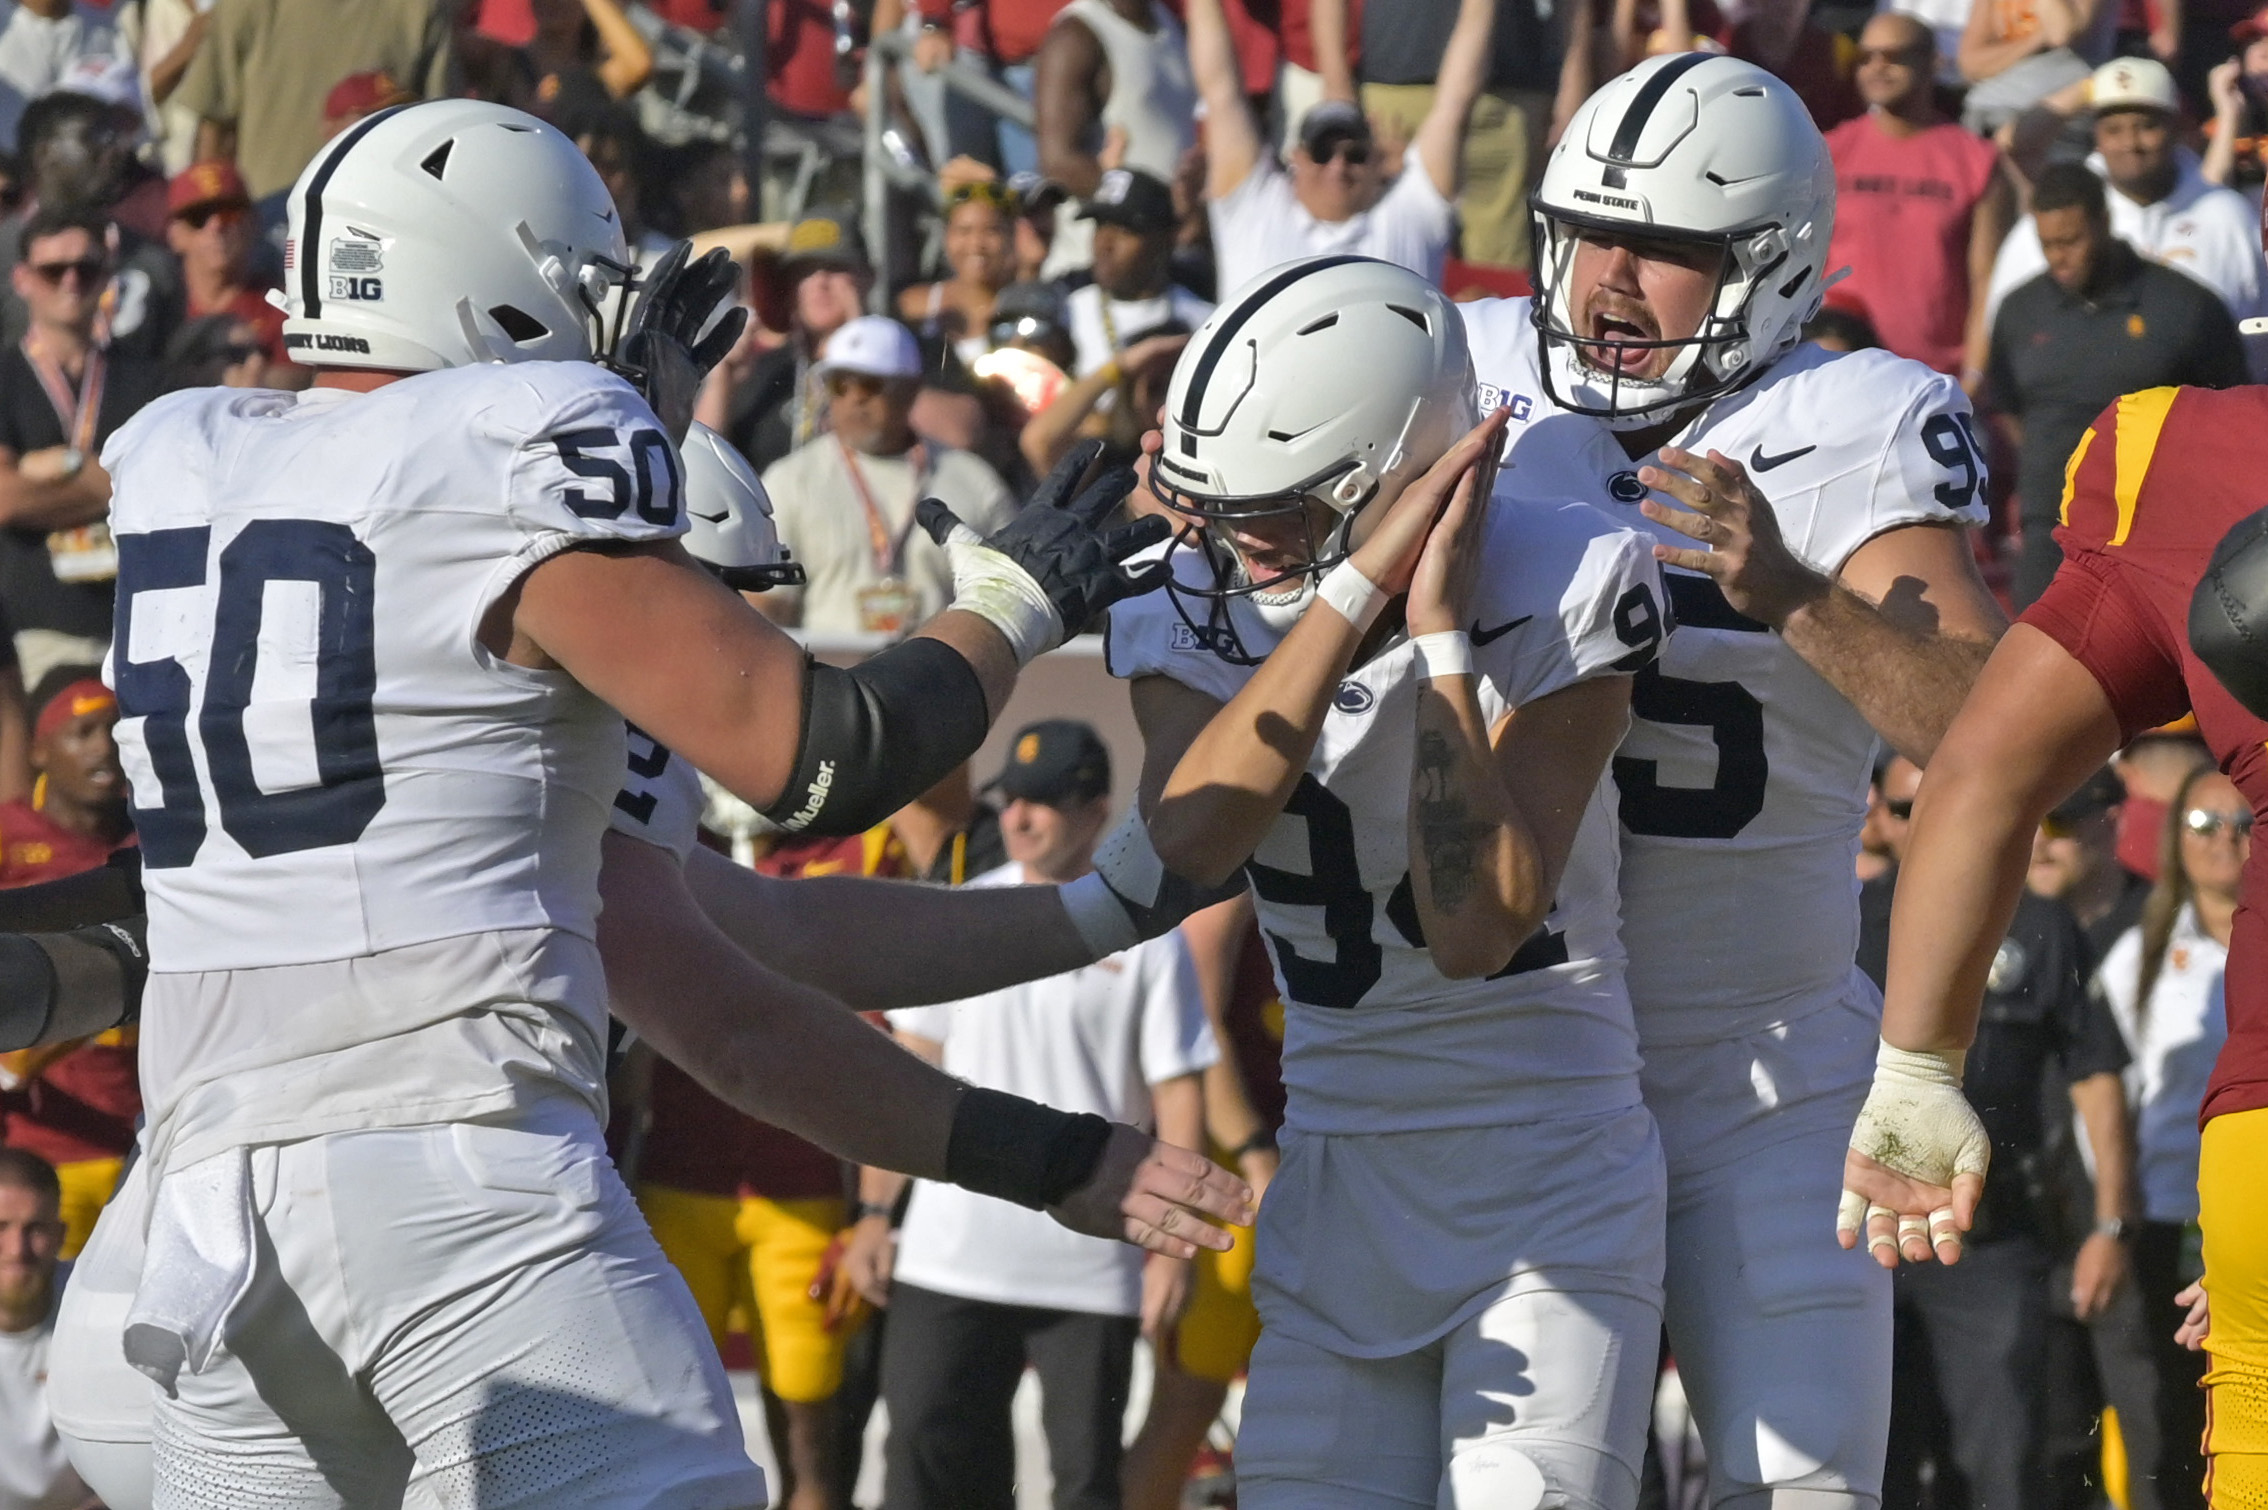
(663, 354)
(1058, 542)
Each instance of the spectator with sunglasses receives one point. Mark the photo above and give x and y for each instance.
(844, 501)
(211, 228)
(954, 314)
(2075, 860)
(1965, 1391)
(62, 393)
(1336, 195)
(2162, 980)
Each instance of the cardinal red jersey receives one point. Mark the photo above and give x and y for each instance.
(2148, 494)
(33, 850)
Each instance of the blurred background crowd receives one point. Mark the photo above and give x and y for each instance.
(973, 232)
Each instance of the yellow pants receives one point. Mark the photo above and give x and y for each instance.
(765, 1251)
(87, 1188)
(1217, 1331)
(1503, 155)
(2232, 1186)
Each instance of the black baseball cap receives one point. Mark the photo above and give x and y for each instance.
(1028, 312)
(1327, 124)
(1057, 761)
(2099, 793)
(824, 239)
(1141, 202)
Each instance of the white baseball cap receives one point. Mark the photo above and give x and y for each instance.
(2133, 84)
(874, 345)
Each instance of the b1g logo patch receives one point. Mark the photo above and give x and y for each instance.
(1189, 637)
(1493, 398)
(367, 289)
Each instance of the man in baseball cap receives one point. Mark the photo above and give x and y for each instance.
(1133, 292)
(211, 227)
(1058, 762)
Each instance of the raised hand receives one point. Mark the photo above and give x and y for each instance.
(1051, 571)
(663, 354)
(1761, 577)
(1441, 588)
(1389, 556)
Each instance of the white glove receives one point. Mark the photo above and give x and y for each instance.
(1916, 1123)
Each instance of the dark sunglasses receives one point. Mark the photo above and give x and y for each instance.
(1356, 152)
(2205, 823)
(198, 216)
(1909, 57)
(88, 270)
(864, 383)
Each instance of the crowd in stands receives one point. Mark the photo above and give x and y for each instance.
(2058, 201)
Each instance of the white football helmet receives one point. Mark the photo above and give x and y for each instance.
(728, 515)
(1333, 378)
(448, 233)
(1687, 147)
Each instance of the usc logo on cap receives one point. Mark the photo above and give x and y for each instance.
(1027, 749)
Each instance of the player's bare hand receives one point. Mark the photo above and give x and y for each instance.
(1390, 556)
(1156, 1196)
(1166, 1285)
(1761, 578)
(1902, 1217)
(1441, 589)
(2198, 1323)
(868, 1258)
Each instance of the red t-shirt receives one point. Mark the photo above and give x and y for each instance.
(1902, 214)
(2154, 486)
(82, 1102)
(799, 59)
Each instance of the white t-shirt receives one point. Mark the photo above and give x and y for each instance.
(34, 1474)
(1742, 783)
(2174, 1045)
(2207, 231)
(816, 505)
(1261, 223)
(1101, 327)
(1092, 1040)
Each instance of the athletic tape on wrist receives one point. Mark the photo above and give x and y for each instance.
(1354, 595)
(992, 586)
(1448, 653)
(1930, 1066)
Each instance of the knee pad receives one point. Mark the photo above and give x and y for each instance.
(1499, 1476)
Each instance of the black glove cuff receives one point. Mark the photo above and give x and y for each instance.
(1021, 1151)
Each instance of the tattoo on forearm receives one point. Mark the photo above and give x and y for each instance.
(1448, 833)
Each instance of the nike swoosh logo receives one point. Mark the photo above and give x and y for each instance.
(710, 518)
(1482, 636)
(1759, 462)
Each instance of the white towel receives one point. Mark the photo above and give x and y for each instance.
(197, 1266)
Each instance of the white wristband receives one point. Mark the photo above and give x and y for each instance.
(1447, 653)
(992, 586)
(1354, 595)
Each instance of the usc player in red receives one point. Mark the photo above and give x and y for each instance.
(2150, 493)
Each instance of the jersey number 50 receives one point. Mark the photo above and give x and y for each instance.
(351, 785)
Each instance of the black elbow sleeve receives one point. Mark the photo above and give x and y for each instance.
(878, 735)
(60, 986)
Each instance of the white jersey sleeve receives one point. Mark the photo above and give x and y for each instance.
(1927, 468)
(662, 798)
(307, 711)
(1172, 632)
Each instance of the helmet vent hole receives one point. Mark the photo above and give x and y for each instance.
(438, 159)
(523, 130)
(518, 324)
(1752, 92)
(1787, 289)
(1718, 179)
(1415, 317)
(1313, 326)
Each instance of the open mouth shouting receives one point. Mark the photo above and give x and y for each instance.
(1618, 335)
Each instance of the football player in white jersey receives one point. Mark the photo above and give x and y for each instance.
(1812, 512)
(1389, 703)
(367, 639)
